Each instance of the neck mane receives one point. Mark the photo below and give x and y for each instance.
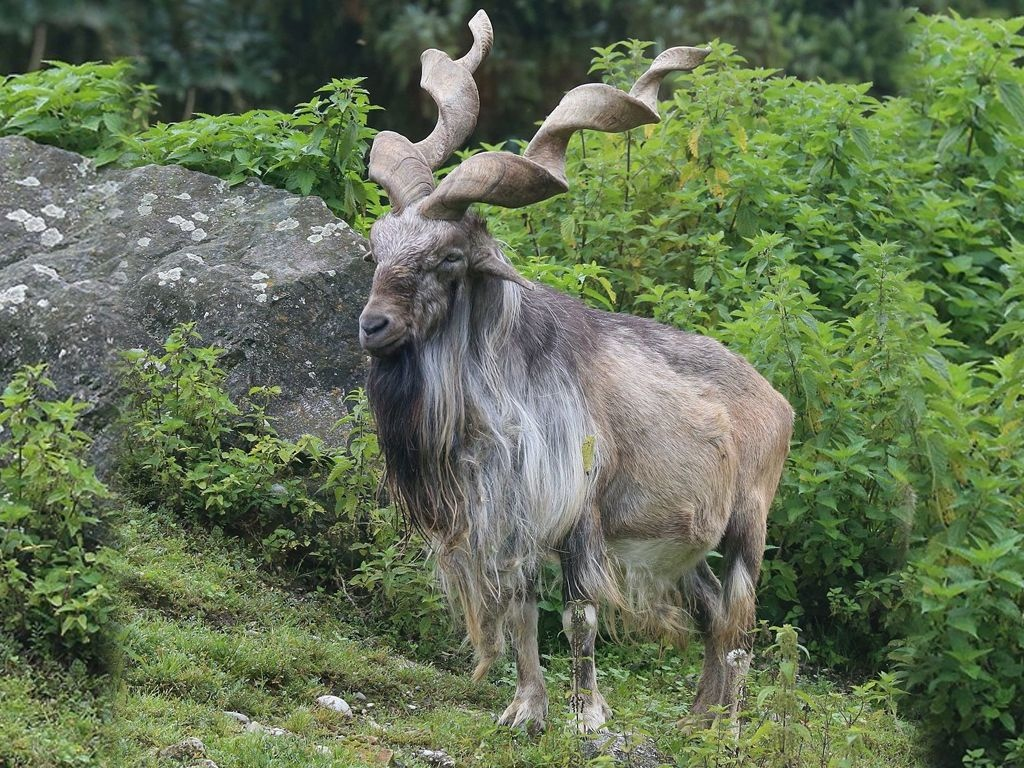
(444, 402)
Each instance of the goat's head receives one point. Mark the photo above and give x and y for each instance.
(422, 264)
(428, 247)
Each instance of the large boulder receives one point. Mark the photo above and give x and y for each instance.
(94, 261)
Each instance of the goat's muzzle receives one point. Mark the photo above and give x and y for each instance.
(380, 333)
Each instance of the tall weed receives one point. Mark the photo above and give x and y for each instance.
(54, 593)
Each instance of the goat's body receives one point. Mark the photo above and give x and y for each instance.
(624, 447)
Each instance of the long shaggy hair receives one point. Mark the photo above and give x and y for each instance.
(483, 425)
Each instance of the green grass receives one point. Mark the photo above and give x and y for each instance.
(205, 630)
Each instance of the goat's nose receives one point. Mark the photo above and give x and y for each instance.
(374, 324)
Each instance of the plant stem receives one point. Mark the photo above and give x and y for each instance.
(35, 58)
(190, 104)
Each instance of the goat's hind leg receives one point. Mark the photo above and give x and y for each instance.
(703, 594)
(529, 708)
(725, 616)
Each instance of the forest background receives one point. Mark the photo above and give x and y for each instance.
(217, 56)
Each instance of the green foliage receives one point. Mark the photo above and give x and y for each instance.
(52, 714)
(100, 111)
(233, 55)
(965, 650)
(191, 449)
(865, 256)
(84, 108)
(53, 574)
(318, 149)
(789, 725)
(306, 506)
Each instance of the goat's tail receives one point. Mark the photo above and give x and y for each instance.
(743, 550)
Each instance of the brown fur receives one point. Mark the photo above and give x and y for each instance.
(486, 391)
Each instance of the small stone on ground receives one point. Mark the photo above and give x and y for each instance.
(188, 749)
(254, 726)
(437, 757)
(335, 703)
(623, 750)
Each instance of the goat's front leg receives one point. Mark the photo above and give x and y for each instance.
(579, 621)
(529, 708)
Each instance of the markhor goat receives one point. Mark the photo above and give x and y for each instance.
(519, 424)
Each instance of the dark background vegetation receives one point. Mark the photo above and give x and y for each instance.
(232, 55)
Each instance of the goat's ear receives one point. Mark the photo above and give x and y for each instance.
(491, 263)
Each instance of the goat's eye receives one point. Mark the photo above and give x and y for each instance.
(451, 259)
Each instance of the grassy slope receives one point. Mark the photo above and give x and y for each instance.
(205, 631)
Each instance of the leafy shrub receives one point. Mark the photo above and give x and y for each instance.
(785, 725)
(53, 573)
(193, 450)
(962, 596)
(83, 108)
(318, 149)
(100, 111)
(964, 653)
(397, 577)
(306, 506)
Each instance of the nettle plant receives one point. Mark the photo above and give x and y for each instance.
(786, 725)
(189, 447)
(101, 111)
(83, 108)
(308, 507)
(54, 594)
(317, 149)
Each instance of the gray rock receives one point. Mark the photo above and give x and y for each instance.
(623, 750)
(254, 726)
(188, 749)
(436, 757)
(335, 703)
(237, 717)
(97, 261)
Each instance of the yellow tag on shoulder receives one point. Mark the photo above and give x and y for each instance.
(588, 453)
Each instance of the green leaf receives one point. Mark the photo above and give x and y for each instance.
(950, 137)
(1012, 96)
(965, 623)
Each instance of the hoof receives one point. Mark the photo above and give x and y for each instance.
(591, 712)
(528, 713)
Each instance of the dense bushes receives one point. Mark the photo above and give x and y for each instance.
(53, 593)
(305, 505)
(100, 111)
(865, 256)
